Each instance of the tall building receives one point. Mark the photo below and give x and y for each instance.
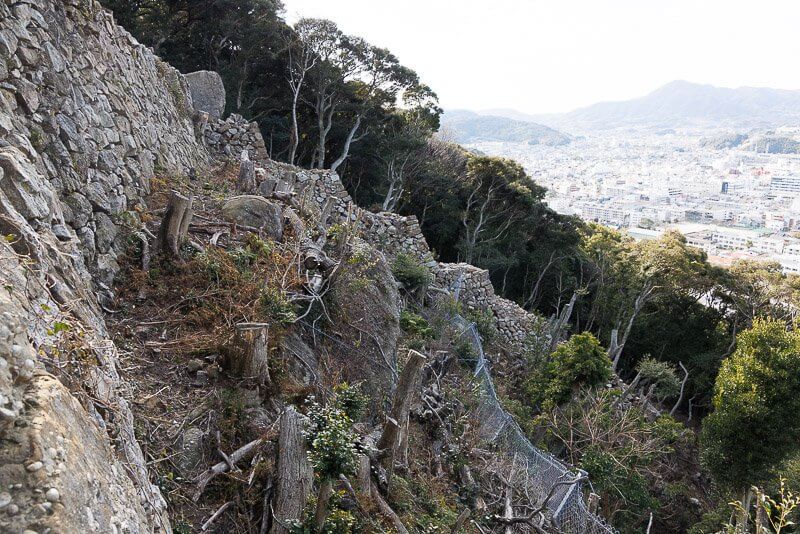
(785, 184)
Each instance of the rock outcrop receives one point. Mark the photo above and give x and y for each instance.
(208, 92)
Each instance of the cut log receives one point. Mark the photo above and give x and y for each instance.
(295, 475)
(246, 182)
(387, 511)
(175, 224)
(249, 355)
(398, 415)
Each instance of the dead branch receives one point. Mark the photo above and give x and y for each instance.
(216, 514)
(222, 467)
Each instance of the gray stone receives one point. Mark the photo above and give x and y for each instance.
(105, 232)
(256, 211)
(191, 449)
(208, 92)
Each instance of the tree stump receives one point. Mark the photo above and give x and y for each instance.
(246, 182)
(249, 356)
(401, 405)
(175, 224)
(295, 475)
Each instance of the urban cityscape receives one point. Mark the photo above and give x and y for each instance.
(734, 202)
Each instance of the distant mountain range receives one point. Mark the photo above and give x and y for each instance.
(678, 104)
(470, 127)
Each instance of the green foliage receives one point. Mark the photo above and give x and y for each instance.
(465, 350)
(659, 374)
(624, 453)
(754, 426)
(416, 326)
(330, 433)
(350, 399)
(276, 305)
(410, 272)
(338, 521)
(580, 361)
(484, 322)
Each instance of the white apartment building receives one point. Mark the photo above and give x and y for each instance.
(607, 214)
(785, 184)
(733, 239)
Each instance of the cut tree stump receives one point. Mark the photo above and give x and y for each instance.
(175, 224)
(401, 405)
(249, 355)
(246, 182)
(295, 475)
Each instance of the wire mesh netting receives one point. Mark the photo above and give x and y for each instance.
(545, 474)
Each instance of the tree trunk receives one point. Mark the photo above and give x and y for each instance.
(295, 476)
(387, 511)
(175, 224)
(249, 356)
(509, 509)
(401, 405)
(558, 324)
(683, 389)
(246, 182)
(323, 500)
(346, 149)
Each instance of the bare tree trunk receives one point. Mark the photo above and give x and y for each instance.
(387, 511)
(401, 405)
(638, 304)
(683, 388)
(246, 182)
(249, 356)
(295, 476)
(323, 500)
(459, 524)
(509, 509)
(558, 325)
(346, 149)
(175, 224)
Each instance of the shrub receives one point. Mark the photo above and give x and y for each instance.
(416, 326)
(484, 322)
(661, 374)
(410, 272)
(350, 399)
(581, 361)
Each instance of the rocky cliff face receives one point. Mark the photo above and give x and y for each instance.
(86, 115)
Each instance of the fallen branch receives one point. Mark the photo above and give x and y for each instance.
(216, 515)
(387, 511)
(222, 467)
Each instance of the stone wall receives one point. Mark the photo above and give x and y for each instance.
(94, 112)
(475, 290)
(86, 116)
(229, 137)
(394, 234)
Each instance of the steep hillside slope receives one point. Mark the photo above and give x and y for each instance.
(181, 327)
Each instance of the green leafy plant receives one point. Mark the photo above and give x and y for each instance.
(580, 361)
(416, 326)
(410, 272)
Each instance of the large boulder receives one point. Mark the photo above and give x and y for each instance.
(256, 211)
(208, 92)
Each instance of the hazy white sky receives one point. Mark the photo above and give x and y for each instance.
(555, 55)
